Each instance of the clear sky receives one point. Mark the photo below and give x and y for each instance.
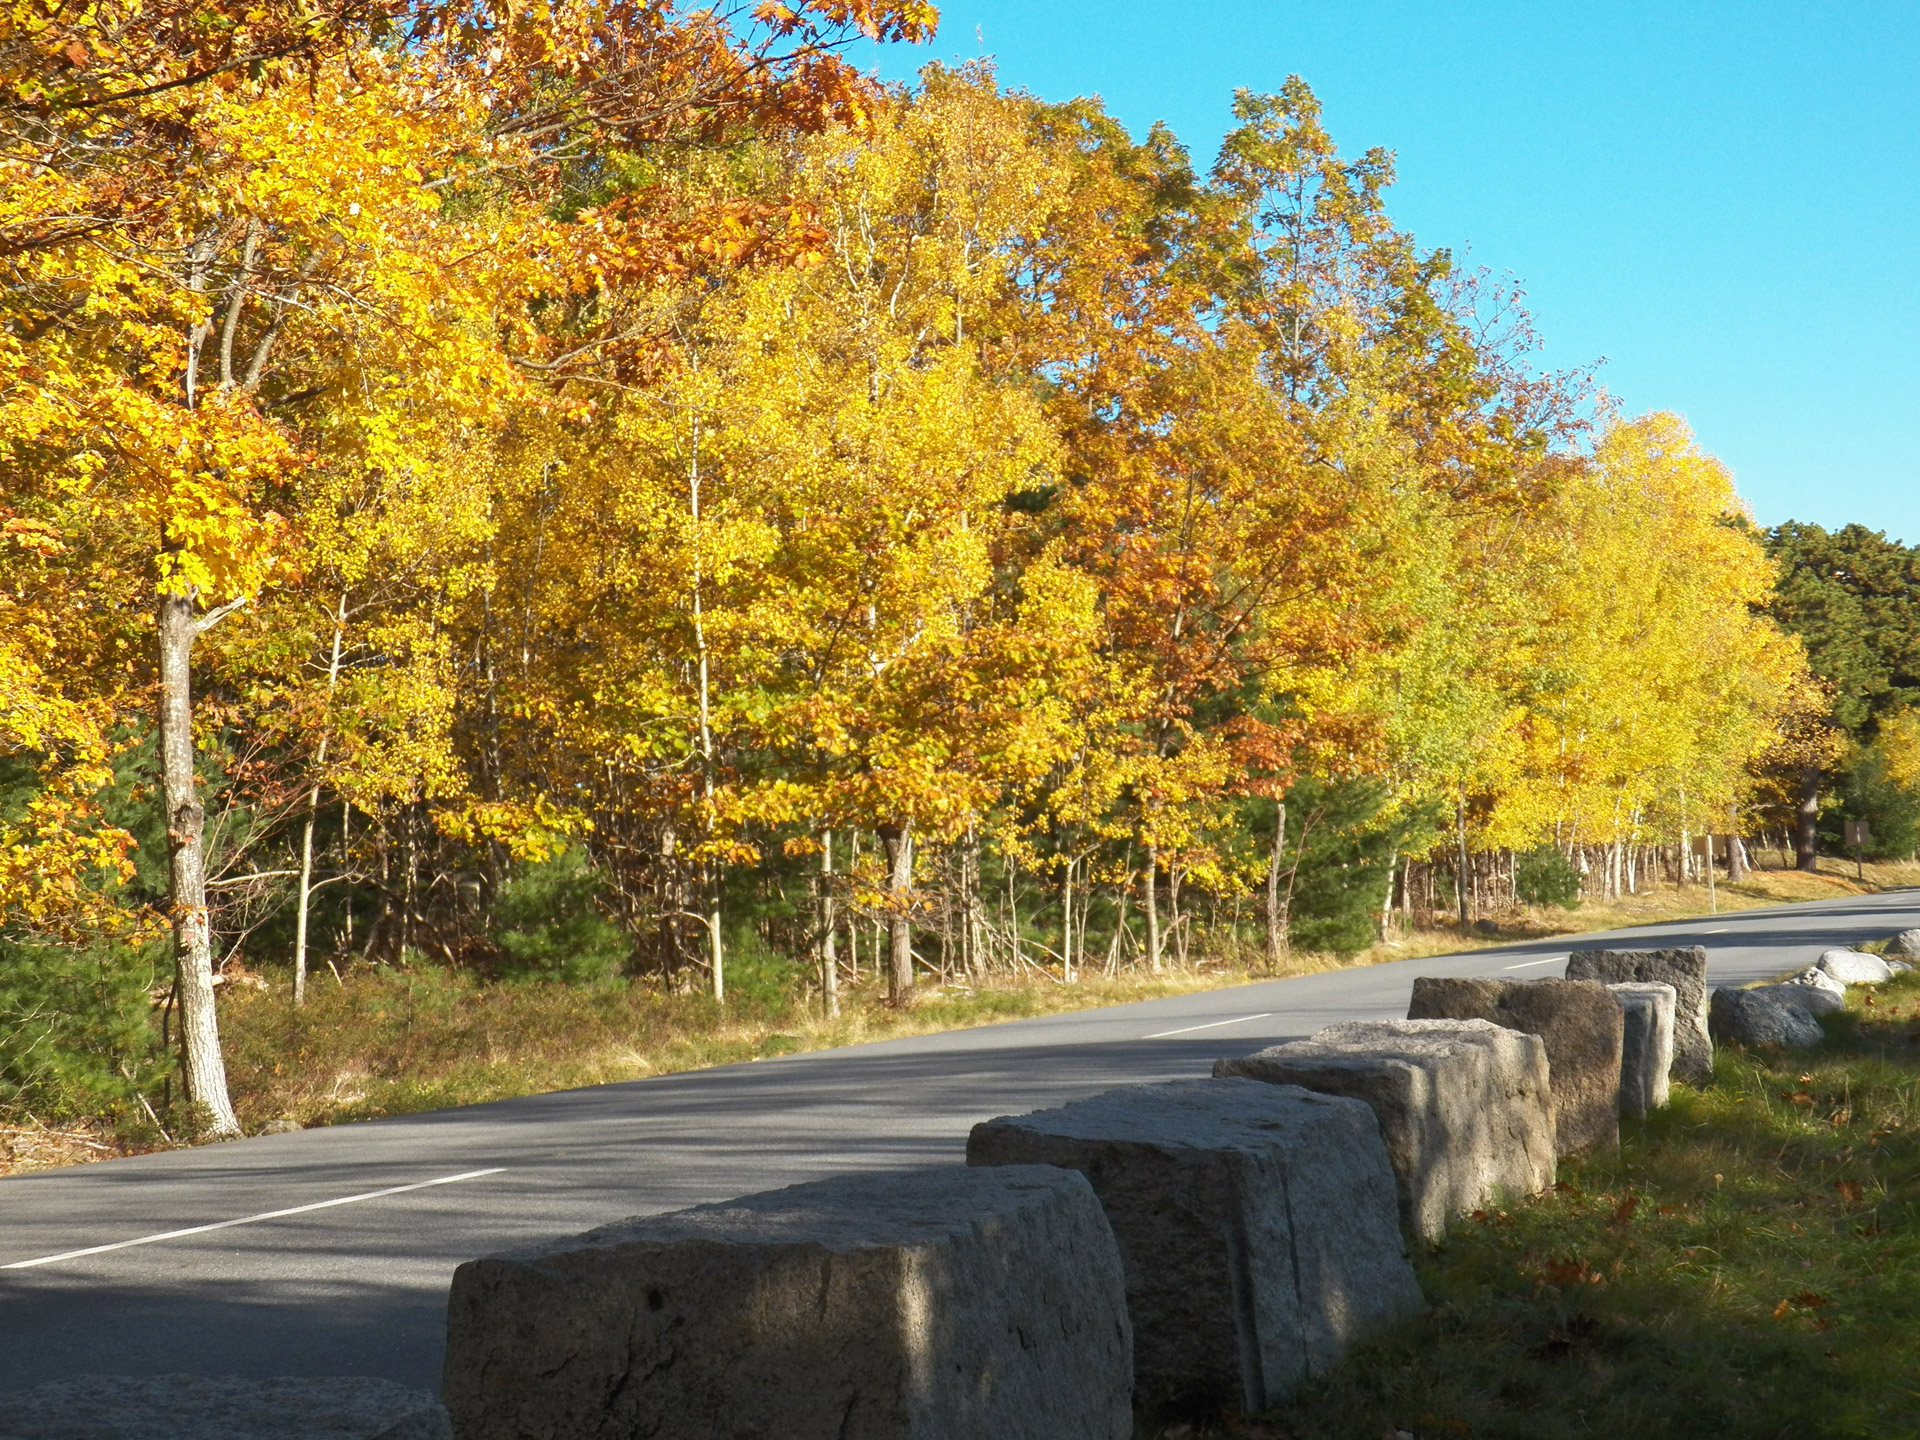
(1721, 198)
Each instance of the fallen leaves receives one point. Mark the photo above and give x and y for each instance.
(1805, 1300)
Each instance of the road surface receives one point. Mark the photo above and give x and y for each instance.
(328, 1252)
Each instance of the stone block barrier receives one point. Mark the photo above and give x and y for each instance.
(1258, 1225)
(1464, 1108)
(1762, 1020)
(1580, 1023)
(950, 1303)
(1646, 1046)
(199, 1407)
(1686, 970)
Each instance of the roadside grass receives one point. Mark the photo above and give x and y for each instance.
(391, 1042)
(1747, 1265)
(384, 1041)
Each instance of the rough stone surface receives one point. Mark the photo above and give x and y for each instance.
(1582, 1027)
(948, 1302)
(1815, 976)
(1259, 1226)
(1907, 943)
(200, 1407)
(1898, 967)
(1464, 1107)
(1814, 991)
(1761, 1021)
(1685, 970)
(1854, 967)
(1646, 1045)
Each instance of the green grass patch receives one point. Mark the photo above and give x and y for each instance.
(1747, 1265)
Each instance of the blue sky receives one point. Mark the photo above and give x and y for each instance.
(1720, 199)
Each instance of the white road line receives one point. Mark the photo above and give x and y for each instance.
(1529, 964)
(1210, 1025)
(251, 1219)
(1717, 930)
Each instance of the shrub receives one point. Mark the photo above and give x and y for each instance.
(548, 926)
(78, 1037)
(1343, 838)
(1546, 877)
(758, 973)
(1891, 812)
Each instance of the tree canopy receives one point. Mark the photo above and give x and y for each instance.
(624, 449)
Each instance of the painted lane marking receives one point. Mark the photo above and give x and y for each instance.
(1528, 965)
(1210, 1025)
(251, 1219)
(1717, 930)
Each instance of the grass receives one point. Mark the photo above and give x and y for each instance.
(390, 1042)
(1748, 1264)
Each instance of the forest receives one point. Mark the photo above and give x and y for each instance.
(594, 493)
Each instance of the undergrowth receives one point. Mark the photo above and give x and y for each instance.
(384, 1041)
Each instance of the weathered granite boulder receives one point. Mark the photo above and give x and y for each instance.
(1906, 944)
(1814, 991)
(1813, 975)
(949, 1302)
(1581, 1025)
(1646, 1045)
(1464, 1108)
(1759, 1021)
(1898, 967)
(199, 1407)
(1258, 1224)
(1684, 969)
(1854, 967)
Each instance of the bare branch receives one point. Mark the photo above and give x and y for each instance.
(219, 612)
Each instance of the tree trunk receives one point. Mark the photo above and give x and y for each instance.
(1737, 865)
(1806, 830)
(710, 882)
(829, 954)
(1153, 908)
(898, 840)
(1462, 871)
(709, 869)
(206, 1073)
(1276, 917)
(976, 961)
(1066, 924)
(1120, 922)
(313, 810)
(1176, 921)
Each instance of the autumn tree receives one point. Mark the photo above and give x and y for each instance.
(203, 250)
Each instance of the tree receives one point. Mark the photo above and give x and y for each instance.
(204, 250)
(1853, 599)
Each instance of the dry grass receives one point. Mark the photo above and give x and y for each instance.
(391, 1042)
(24, 1148)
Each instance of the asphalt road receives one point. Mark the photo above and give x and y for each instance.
(358, 1286)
